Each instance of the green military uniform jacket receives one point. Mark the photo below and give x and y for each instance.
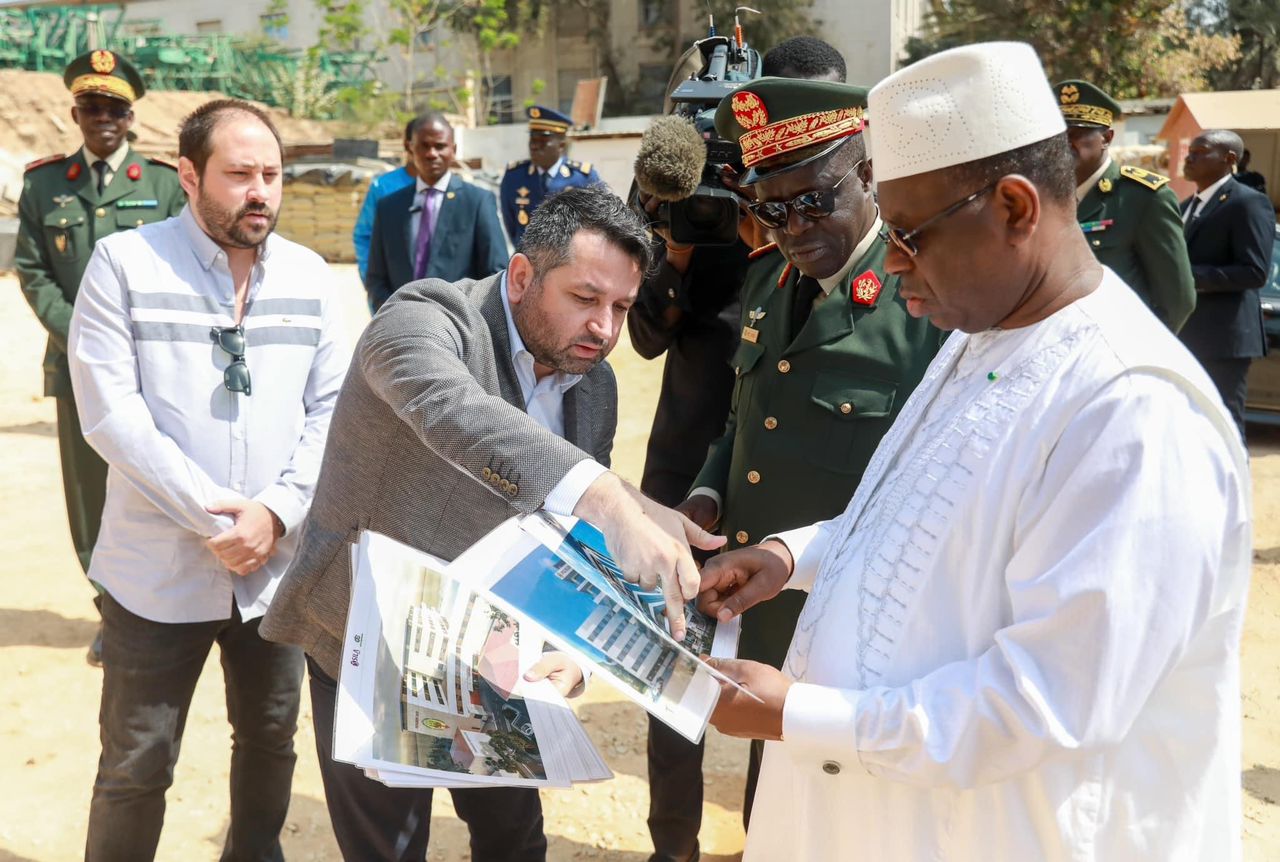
(806, 415)
(61, 217)
(1131, 220)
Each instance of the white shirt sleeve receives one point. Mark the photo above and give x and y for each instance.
(807, 546)
(1131, 551)
(290, 495)
(568, 491)
(113, 414)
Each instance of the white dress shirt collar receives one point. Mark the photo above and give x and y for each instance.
(1083, 188)
(829, 283)
(114, 161)
(440, 185)
(1212, 190)
(554, 169)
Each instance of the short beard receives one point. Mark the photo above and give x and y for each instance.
(535, 328)
(225, 227)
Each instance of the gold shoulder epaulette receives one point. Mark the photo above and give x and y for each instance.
(762, 250)
(1151, 180)
(162, 163)
(47, 160)
(585, 167)
(512, 165)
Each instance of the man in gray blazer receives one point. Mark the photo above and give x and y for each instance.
(465, 404)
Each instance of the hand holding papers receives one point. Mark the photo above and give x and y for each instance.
(559, 575)
(431, 692)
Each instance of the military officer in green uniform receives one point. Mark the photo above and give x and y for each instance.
(1129, 215)
(68, 203)
(827, 353)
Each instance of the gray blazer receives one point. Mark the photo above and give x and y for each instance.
(430, 445)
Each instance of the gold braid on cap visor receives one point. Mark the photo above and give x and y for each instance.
(797, 133)
(1087, 114)
(109, 84)
(548, 126)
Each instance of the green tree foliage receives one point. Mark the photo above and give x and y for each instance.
(1256, 23)
(1132, 48)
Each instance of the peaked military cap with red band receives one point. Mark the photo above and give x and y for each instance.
(784, 123)
(104, 73)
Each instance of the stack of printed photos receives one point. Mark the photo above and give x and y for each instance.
(432, 692)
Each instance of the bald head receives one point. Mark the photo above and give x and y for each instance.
(1211, 156)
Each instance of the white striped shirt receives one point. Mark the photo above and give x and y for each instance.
(148, 377)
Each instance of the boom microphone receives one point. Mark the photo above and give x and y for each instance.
(671, 157)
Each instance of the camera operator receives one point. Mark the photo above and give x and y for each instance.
(689, 308)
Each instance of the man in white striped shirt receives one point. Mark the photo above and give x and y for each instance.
(205, 368)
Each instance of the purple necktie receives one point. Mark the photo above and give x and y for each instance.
(426, 226)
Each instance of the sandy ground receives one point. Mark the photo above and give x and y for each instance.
(49, 698)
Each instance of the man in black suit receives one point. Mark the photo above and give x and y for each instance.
(1229, 230)
(438, 227)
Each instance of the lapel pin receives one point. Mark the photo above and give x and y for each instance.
(866, 288)
(1105, 185)
(449, 195)
(73, 172)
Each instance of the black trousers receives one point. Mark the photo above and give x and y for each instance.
(376, 823)
(1231, 378)
(149, 674)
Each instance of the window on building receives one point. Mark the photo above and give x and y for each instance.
(566, 85)
(497, 92)
(572, 20)
(651, 88)
(275, 25)
(214, 26)
(653, 13)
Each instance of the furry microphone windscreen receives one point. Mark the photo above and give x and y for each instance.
(671, 157)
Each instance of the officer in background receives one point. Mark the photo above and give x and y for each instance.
(1129, 215)
(68, 203)
(527, 183)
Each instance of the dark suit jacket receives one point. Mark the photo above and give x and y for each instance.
(430, 445)
(1229, 243)
(699, 340)
(468, 241)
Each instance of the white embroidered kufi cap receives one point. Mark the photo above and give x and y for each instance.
(958, 106)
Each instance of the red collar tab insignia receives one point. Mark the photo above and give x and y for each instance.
(749, 111)
(103, 62)
(73, 172)
(866, 288)
(786, 273)
(762, 250)
(135, 172)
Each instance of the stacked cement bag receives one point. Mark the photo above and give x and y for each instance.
(321, 203)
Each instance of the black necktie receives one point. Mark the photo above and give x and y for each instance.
(100, 168)
(807, 290)
(542, 181)
(1193, 209)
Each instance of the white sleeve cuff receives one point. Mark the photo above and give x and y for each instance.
(818, 727)
(284, 504)
(807, 547)
(568, 491)
(714, 495)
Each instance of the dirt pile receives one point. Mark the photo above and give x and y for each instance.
(35, 121)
